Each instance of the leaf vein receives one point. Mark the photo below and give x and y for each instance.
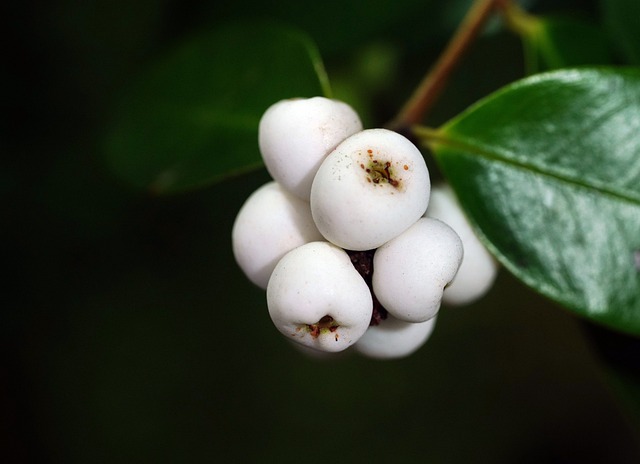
(476, 148)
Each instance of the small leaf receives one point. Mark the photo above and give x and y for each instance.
(548, 169)
(622, 19)
(192, 120)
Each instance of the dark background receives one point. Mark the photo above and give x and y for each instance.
(130, 335)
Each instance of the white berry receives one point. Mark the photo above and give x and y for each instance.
(319, 355)
(372, 187)
(316, 297)
(296, 135)
(271, 223)
(393, 338)
(411, 271)
(478, 269)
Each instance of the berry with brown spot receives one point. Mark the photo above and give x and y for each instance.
(370, 189)
(317, 298)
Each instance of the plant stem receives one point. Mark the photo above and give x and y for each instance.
(427, 137)
(425, 134)
(434, 82)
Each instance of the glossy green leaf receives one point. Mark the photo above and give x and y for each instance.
(193, 118)
(622, 18)
(548, 170)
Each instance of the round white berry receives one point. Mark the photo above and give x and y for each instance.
(393, 338)
(271, 223)
(319, 355)
(372, 187)
(411, 271)
(296, 135)
(317, 298)
(478, 269)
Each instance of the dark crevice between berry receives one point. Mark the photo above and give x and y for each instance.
(363, 262)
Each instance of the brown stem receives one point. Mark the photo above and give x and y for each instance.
(434, 82)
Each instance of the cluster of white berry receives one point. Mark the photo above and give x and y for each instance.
(342, 239)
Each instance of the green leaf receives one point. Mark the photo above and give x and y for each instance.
(548, 170)
(622, 19)
(192, 119)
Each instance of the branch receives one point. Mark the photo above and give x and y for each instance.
(434, 82)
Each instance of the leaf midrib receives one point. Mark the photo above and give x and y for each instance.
(467, 145)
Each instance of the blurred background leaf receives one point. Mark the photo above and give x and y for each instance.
(559, 42)
(193, 118)
(622, 18)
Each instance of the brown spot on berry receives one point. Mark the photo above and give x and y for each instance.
(381, 172)
(314, 330)
(406, 168)
(325, 323)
